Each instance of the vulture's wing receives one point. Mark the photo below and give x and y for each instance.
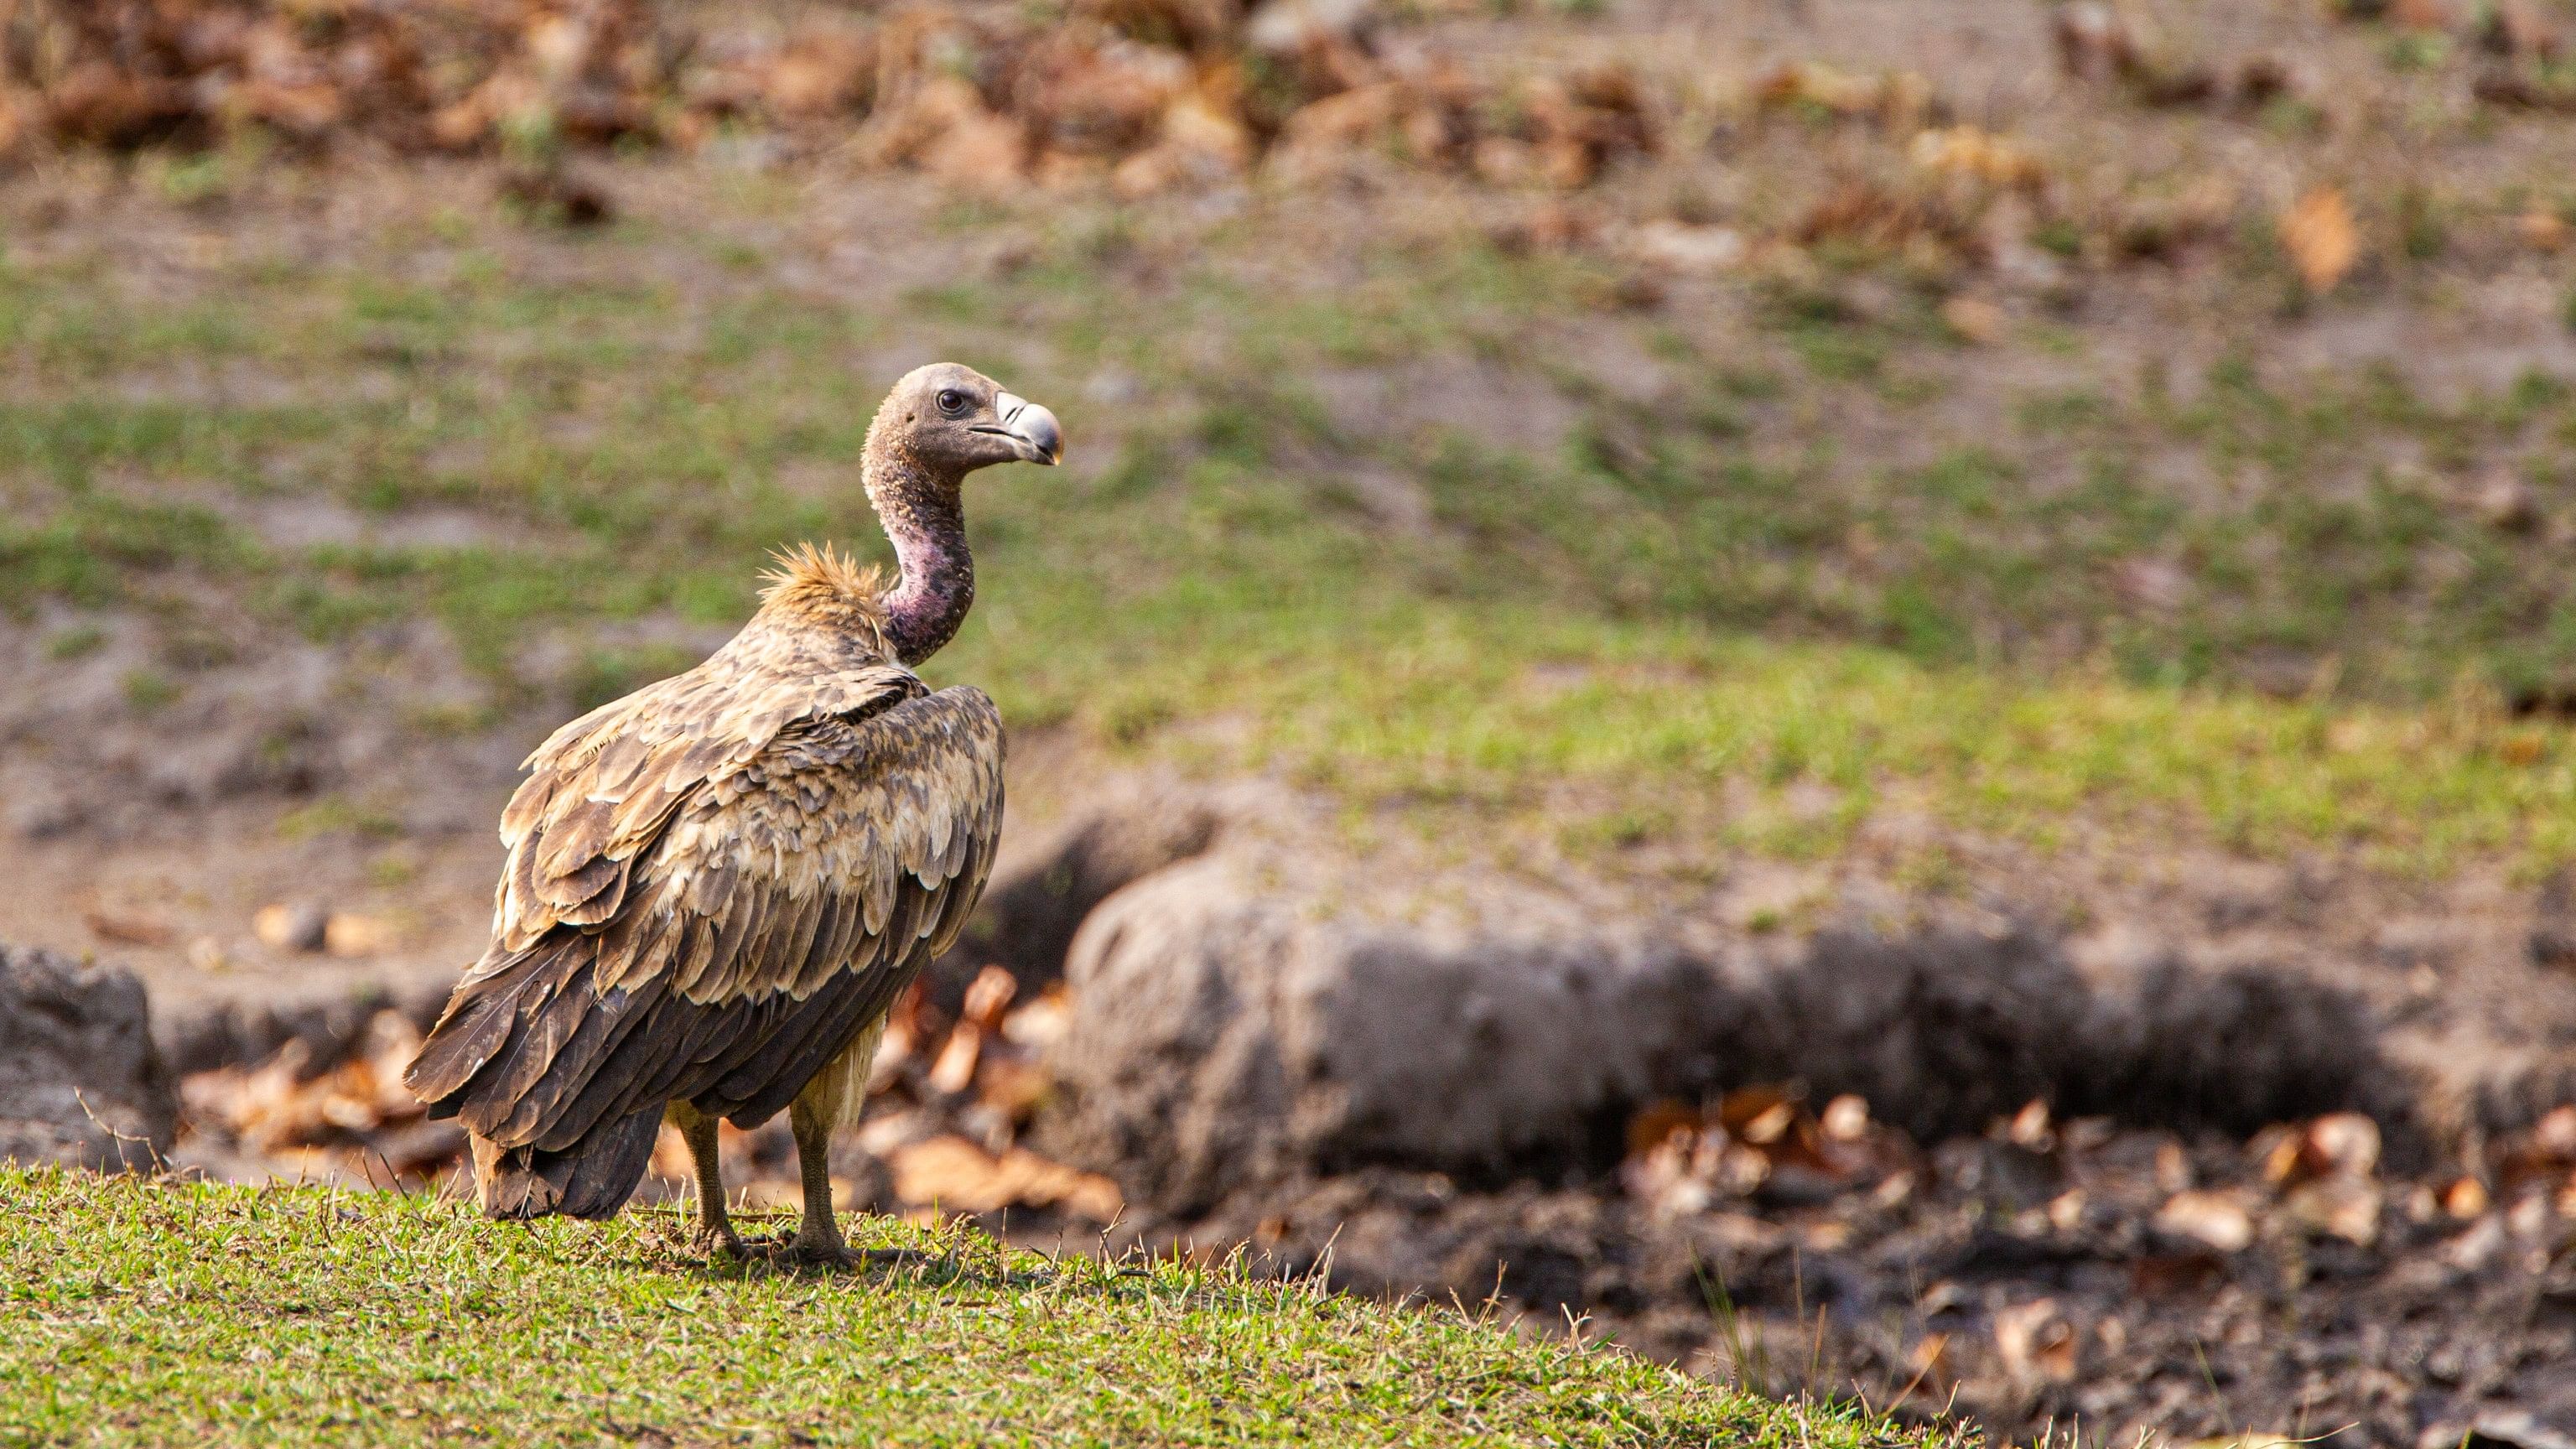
(711, 914)
(602, 787)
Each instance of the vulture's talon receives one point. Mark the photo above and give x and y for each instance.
(800, 1253)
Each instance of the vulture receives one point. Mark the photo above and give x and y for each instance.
(717, 886)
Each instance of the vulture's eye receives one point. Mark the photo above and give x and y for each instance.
(952, 402)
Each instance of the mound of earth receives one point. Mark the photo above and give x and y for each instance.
(1267, 1009)
(80, 1078)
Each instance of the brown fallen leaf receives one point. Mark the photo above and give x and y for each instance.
(958, 1176)
(2093, 42)
(121, 930)
(2421, 14)
(1040, 1024)
(954, 1070)
(2176, 1275)
(348, 935)
(1691, 250)
(2321, 238)
(2521, 27)
(2342, 1206)
(2466, 1198)
(1845, 1118)
(2030, 1128)
(2037, 1341)
(2339, 1143)
(2212, 1219)
(1656, 1122)
(1975, 152)
(1975, 320)
(2555, 1134)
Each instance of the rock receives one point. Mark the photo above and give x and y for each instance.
(80, 1079)
(1244, 1016)
(1042, 889)
(1222, 1035)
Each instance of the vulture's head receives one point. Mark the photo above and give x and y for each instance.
(953, 420)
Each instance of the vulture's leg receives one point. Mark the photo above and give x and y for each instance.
(832, 1099)
(715, 1229)
(818, 1239)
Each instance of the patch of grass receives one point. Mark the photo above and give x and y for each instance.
(1468, 707)
(148, 690)
(333, 814)
(75, 642)
(141, 1313)
(2088, 611)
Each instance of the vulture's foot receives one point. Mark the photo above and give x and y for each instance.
(718, 1240)
(831, 1254)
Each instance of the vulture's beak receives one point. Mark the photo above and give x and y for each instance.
(1032, 430)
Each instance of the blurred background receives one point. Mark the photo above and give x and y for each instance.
(1875, 689)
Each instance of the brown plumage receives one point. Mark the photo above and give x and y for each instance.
(716, 886)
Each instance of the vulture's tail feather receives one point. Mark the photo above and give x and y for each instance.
(497, 1036)
(591, 1179)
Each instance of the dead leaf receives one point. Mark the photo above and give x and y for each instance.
(954, 1071)
(2037, 1341)
(2212, 1219)
(2466, 1198)
(2520, 27)
(128, 930)
(2341, 1206)
(821, 73)
(2555, 1134)
(2176, 1275)
(989, 995)
(1042, 1023)
(2093, 43)
(1845, 1118)
(349, 935)
(1689, 250)
(1657, 1122)
(1974, 320)
(1972, 151)
(2030, 1127)
(2339, 1143)
(957, 1176)
(2321, 238)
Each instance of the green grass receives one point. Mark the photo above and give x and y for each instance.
(1693, 607)
(143, 1313)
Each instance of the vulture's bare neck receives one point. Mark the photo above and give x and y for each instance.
(922, 515)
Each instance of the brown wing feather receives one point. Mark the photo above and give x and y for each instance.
(749, 925)
(604, 787)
